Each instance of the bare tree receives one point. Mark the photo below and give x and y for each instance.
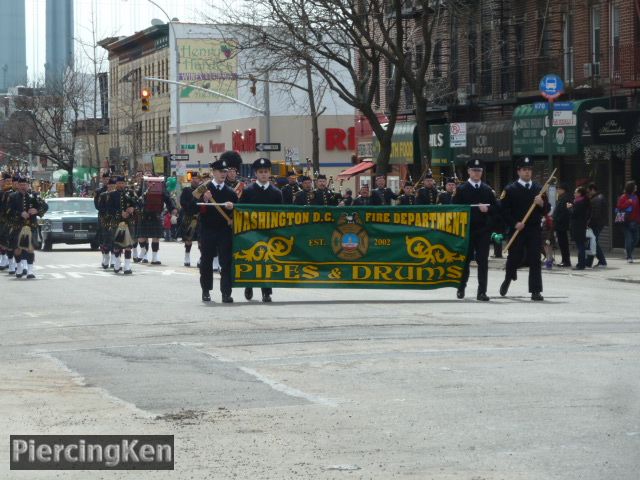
(341, 41)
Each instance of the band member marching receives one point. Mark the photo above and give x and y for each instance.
(306, 195)
(100, 202)
(121, 207)
(476, 192)
(24, 209)
(428, 195)
(215, 230)
(364, 198)
(291, 189)
(516, 200)
(446, 197)
(154, 197)
(322, 196)
(382, 195)
(408, 197)
(261, 193)
(6, 254)
(190, 214)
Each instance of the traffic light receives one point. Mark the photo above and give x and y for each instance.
(145, 97)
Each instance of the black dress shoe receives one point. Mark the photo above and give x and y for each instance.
(227, 299)
(266, 298)
(536, 297)
(187, 264)
(504, 288)
(136, 260)
(144, 260)
(104, 267)
(205, 296)
(117, 270)
(482, 297)
(31, 276)
(127, 272)
(18, 273)
(564, 265)
(460, 293)
(248, 293)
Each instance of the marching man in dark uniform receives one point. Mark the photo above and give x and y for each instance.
(322, 195)
(24, 209)
(215, 230)
(121, 207)
(364, 197)
(408, 197)
(189, 211)
(153, 196)
(101, 234)
(6, 261)
(261, 193)
(428, 195)
(290, 190)
(516, 200)
(382, 194)
(306, 195)
(476, 192)
(446, 197)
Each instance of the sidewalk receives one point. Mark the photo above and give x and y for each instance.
(618, 270)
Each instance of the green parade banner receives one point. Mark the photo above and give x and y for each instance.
(407, 247)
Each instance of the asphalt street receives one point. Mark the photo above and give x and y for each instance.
(327, 384)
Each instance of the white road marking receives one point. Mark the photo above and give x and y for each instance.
(293, 392)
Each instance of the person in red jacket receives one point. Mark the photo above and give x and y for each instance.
(628, 203)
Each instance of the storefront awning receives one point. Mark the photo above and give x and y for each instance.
(600, 126)
(404, 145)
(532, 134)
(356, 169)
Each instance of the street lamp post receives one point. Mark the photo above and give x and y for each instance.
(178, 146)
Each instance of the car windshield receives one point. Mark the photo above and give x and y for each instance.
(79, 206)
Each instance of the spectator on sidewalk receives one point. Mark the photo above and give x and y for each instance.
(597, 221)
(561, 223)
(548, 241)
(628, 203)
(174, 225)
(579, 216)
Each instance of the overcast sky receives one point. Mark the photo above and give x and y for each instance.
(116, 17)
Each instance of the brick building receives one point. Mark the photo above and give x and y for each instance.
(484, 83)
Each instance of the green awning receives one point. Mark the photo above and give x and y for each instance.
(531, 132)
(439, 144)
(405, 148)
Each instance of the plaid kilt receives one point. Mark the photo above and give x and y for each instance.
(150, 225)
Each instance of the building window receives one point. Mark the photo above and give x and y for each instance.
(615, 40)
(567, 47)
(595, 36)
(487, 86)
(437, 59)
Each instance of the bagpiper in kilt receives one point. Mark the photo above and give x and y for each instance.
(150, 214)
(121, 206)
(6, 254)
(24, 209)
(306, 195)
(190, 214)
(103, 235)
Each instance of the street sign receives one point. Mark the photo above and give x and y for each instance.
(551, 87)
(268, 147)
(180, 157)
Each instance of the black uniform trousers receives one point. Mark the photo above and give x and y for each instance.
(526, 247)
(215, 242)
(563, 244)
(479, 243)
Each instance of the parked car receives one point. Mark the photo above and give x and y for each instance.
(70, 220)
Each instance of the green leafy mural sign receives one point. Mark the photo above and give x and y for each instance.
(419, 247)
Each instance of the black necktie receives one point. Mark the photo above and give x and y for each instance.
(219, 187)
(264, 187)
(477, 185)
(528, 185)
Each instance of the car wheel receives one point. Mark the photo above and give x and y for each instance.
(47, 246)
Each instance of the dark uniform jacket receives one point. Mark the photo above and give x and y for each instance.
(96, 196)
(324, 197)
(445, 198)
(467, 194)
(407, 200)
(561, 213)
(304, 197)
(427, 196)
(21, 202)
(210, 218)
(254, 193)
(118, 201)
(361, 201)
(348, 201)
(516, 201)
(385, 195)
(187, 204)
(289, 192)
